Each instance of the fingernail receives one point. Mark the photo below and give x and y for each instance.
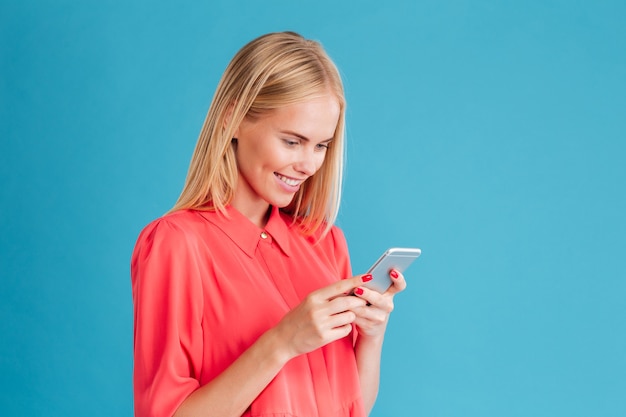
(394, 274)
(358, 291)
(366, 277)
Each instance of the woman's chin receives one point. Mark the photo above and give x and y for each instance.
(283, 201)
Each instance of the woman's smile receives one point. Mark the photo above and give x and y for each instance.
(291, 182)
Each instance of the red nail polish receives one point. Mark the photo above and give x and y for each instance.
(358, 291)
(394, 274)
(366, 277)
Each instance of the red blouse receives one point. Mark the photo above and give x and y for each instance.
(205, 287)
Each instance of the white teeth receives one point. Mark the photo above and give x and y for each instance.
(288, 181)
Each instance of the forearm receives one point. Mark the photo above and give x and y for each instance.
(368, 352)
(232, 392)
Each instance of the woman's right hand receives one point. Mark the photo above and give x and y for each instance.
(322, 317)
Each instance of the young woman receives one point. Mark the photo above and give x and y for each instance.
(242, 293)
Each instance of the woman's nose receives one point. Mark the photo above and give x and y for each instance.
(308, 163)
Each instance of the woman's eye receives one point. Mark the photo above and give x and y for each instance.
(290, 142)
(322, 146)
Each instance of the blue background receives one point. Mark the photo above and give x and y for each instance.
(492, 134)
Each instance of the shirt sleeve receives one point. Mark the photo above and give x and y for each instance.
(168, 305)
(340, 250)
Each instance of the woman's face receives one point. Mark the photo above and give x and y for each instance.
(277, 152)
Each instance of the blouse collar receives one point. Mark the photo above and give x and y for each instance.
(246, 234)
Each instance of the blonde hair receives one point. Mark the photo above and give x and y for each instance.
(274, 70)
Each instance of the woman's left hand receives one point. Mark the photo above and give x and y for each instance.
(371, 320)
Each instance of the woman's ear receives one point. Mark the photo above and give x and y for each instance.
(228, 118)
(228, 115)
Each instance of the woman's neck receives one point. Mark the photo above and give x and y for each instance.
(258, 213)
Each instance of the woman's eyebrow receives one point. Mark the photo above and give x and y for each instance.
(300, 136)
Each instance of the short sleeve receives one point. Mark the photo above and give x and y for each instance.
(340, 250)
(167, 298)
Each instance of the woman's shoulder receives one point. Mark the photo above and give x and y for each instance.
(180, 226)
(330, 237)
(176, 222)
(182, 218)
(323, 233)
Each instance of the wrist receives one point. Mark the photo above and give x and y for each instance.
(370, 340)
(276, 345)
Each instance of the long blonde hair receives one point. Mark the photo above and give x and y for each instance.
(272, 71)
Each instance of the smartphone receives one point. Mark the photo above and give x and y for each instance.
(393, 258)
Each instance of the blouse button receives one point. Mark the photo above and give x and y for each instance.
(263, 235)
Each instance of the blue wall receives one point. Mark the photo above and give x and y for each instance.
(492, 134)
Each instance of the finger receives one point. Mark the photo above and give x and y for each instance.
(398, 282)
(338, 326)
(370, 317)
(343, 287)
(341, 319)
(344, 303)
(340, 332)
(375, 300)
(371, 296)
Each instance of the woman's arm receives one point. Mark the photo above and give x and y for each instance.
(324, 316)
(368, 354)
(233, 390)
(371, 323)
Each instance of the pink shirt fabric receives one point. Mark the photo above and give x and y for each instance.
(206, 286)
